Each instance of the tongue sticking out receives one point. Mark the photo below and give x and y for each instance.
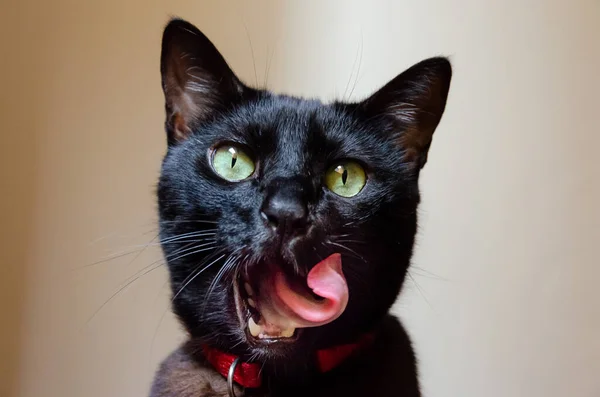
(283, 307)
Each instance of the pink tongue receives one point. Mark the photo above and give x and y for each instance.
(284, 307)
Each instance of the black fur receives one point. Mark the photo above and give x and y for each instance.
(293, 142)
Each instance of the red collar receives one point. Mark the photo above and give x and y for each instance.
(248, 374)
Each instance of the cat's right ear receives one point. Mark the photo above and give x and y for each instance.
(196, 80)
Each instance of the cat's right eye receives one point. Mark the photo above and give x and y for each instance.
(232, 163)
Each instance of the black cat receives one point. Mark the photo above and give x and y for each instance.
(288, 227)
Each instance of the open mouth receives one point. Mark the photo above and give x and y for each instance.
(274, 308)
(252, 319)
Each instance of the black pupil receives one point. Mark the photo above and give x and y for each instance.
(233, 158)
(344, 176)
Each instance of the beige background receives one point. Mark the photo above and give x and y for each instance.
(503, 299)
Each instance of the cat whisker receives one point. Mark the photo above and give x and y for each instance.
(158, 244)
(237, 344)
(427, 274)
(186, 246)
(110, 258)
(195, 250)
(186, 235)
(143, 247)
(350, 241)
(252, 52)
(122, 288)
(187, 221)
(117, 235)
(356, 276)
(229, 264)
(359, 65)
(268, 65)
(347, 249)
(154, 230)
(186, 282)
(139, 252)
(196, 275)
(193, 232)
(340, 236)
(419, 289)
(351, 74)
(209, 257)
(317, 253)
(225, 268)
(187, 241)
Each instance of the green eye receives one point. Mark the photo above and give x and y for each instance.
(232, 163)
(346, 178)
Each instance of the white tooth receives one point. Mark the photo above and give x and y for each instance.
(251, 302)
(254, 328)
(287, 333)
(248, 288)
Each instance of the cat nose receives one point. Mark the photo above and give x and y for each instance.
(284, 208)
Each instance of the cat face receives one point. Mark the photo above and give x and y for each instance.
(287, 224)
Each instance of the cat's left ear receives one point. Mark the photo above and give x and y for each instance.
(414, 101)
(197, 82)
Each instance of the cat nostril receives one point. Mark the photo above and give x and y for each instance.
(269, 219)
(284, 214)
(285, 208)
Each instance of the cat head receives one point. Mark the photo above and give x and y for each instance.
(287, 224)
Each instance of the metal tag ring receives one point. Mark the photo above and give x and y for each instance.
(230, 377)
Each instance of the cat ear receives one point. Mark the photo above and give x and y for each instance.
(196, 80)
(414, 101)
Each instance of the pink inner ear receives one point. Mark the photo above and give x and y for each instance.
(196, 79)
(180, 128)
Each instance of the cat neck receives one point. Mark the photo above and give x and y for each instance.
(251, 374)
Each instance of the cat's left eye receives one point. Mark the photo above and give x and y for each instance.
(346, 178)
(232, 163)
